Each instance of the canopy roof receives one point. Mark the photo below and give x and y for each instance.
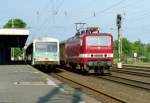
(13, 37)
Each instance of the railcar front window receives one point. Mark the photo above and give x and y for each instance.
(98, 41)
(46, 47)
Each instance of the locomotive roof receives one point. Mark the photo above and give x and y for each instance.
(92, 34)
(86, 34)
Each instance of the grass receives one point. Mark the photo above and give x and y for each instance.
(132, 62)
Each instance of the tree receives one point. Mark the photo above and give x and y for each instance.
(138, 47)
(148, 47)
(147, 52)
(129, 48)
(116, 48)
(15, 23)
(126, 49)
(18, 52)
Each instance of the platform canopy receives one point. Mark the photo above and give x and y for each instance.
(13, 37)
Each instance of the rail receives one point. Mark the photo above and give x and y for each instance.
(82, 86)
(129, 82)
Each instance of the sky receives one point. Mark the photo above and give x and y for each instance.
(56, 18)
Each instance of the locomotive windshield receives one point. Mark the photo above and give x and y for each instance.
(98, 41)
(46, 47)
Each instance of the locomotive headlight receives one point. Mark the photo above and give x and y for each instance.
(88, 55)
(110, 55)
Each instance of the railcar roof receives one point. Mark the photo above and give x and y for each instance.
(64, 41)
(46, 39)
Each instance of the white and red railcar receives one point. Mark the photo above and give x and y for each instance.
(88, 51)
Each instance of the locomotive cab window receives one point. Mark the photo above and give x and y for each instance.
(46, 47)
(98, 41)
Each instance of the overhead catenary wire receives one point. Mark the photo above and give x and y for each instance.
(55, 10)
(106, 9)
(111, 7)
(44, 25)
(95, 13)
(59, 6)
(102, 11)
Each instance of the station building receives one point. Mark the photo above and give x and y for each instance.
(11, 38)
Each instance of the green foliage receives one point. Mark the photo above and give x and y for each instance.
(18, 52)
(126, 48)
(129, 48)
(138, 48)
(115, 48)
(147, 51)
(15, 23)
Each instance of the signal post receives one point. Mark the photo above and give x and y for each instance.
(119, 64)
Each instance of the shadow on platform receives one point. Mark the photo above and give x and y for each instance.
(56, 95)
(14, 63)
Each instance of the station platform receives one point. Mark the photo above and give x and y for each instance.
(25, 84)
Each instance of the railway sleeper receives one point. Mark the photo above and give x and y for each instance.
(103, 70)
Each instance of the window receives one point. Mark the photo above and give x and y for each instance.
(46, 47)
(98, 41)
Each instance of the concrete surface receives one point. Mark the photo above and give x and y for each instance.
(24, 84)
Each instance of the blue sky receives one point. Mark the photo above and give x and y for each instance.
(56, 18)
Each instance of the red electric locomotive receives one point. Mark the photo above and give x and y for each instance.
(89, 51)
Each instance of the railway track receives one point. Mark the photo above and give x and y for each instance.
(126, 81)
(84, 87)
(133, 70)
(102, 95)
(129, 82)
(134, 66)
